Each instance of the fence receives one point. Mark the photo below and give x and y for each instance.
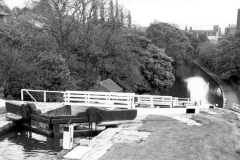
(42, 95)
(99, 99)
(150, 100)
(162, 101)
(185, 102)
(105, 99)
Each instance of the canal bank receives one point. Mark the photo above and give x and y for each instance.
(229, 94)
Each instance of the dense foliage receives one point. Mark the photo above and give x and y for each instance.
(223, 57)
(177, 44)
(60, 45)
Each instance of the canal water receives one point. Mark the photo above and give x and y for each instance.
(24, 145)
(192, 82)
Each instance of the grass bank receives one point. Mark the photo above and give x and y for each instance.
(217, 138)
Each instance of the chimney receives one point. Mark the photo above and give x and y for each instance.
(238, 20)
(216, 27)
(190, 28)
(186, 29)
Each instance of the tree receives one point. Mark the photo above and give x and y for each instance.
(60, 18)
(95, 7)
(111, 11)
(203, 38)
(117, 12)
(223, 57)
(206, 53)
(121, 16)
(102, 11)
(129, 19)
(175, 43)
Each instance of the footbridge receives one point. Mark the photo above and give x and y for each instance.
(107, 99)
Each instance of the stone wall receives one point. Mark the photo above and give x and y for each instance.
(236, 88)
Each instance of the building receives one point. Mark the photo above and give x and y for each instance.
(238, 21)
(230, 29)
(107, 85)
(211, 34)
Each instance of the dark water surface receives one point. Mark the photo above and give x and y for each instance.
(192, 82)
(24, 145)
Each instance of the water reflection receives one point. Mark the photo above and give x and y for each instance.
(22, 144)
(192, 82)
(198, 88)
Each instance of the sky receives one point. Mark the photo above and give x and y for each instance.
(198, 14)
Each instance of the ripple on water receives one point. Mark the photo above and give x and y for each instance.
(24, 145)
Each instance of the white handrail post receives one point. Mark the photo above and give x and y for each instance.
(67, 94)
(44, 96)
(64, 97)
(22, 94)
(87, 97)
(151, 101)
(133, 105)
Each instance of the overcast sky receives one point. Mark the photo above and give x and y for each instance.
(199, 14)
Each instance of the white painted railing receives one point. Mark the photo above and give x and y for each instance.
(44, 92)
(236, 106)
(151, 100)
(185, 102)
(158, 101)
(112, 99)
(99, 99)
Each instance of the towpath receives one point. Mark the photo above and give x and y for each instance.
(229, 94)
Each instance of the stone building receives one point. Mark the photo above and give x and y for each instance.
(211, 34)
(230, 29)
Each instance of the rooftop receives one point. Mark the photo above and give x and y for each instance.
(231, 26)
(107, 85)
(204, 31)
(2, 13)
(111, 85)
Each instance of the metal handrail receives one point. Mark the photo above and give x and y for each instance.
(43, 91)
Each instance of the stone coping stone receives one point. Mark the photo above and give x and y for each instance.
(13, 117)
(77, 152)
(108, 124)
(43, 106)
